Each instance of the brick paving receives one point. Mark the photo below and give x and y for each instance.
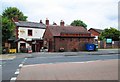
(98, 70)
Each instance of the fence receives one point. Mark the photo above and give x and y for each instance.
(103, 44)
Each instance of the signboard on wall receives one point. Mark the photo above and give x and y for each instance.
(109, 40)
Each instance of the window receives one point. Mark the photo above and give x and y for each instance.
(29, 32)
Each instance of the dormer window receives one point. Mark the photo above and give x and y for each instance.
(29, 32)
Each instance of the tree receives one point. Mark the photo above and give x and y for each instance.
(1, 34)
(112, 33)
(79, 23)
(8, 26)
(12, 12)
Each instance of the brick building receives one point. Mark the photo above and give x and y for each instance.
(69, 38)
(95, 32)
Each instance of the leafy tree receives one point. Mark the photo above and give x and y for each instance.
(0, 34)
(12, 12)
(79, 23)
(7, 29)
(8, 26)
(112, 33)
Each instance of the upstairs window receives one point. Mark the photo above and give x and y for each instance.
(29, 32)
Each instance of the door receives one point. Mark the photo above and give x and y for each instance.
(33, 47)
(50, 46)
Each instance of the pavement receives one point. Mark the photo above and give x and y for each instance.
(47, 54)
(90, 70)
(7, 57)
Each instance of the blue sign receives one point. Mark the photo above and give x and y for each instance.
(108, 40)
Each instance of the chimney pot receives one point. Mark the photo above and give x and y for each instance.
(62, 23)
(41, 21)
(47, 21)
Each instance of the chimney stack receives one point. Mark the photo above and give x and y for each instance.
(62, 23)
(41, 22)
(47, 21)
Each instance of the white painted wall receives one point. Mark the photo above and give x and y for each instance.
(22, 42)
(37, 33)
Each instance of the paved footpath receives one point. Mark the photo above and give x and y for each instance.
(47, 54)
(90, 70)
(7, 57)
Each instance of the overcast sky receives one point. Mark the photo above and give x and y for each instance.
(95, 13)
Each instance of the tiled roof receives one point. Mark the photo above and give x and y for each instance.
(30, 24)
(57, 30)
(98, 30)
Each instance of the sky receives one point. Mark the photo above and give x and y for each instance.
(99, 14)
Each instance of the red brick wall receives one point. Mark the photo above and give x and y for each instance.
(69, 44)
(47, 34)
(94, 32)
(55, 43)
(49, 38)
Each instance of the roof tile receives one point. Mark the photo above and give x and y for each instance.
(30, 24)
(57, 30)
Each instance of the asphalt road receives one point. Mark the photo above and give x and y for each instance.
(9, 67)
(58, 59)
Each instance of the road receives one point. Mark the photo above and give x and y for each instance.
(58, 59)
(95, 70)
(10, 67)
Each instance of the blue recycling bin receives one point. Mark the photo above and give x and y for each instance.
(90, 47)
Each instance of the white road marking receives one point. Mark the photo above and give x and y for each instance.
(32, 65)
(76, 62)
(62, 62)
(89, 61)
(52, 57)
(13, 78)
(85, 61)
(17, 72)
(24, 60)
(20, 65)
(110, 55)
